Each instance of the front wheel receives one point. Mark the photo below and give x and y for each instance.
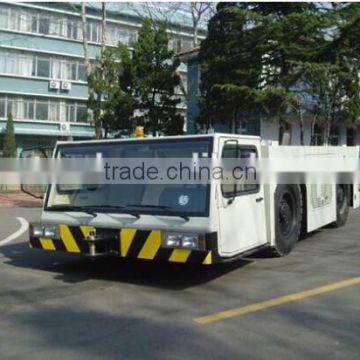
(288, 215)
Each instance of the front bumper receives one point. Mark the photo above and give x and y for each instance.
(126, 243)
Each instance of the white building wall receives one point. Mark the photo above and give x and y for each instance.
(342, 135)
(295, 133)
(269, 130)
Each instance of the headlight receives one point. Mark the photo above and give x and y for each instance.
(190, 241)
(173, 240)
(184, 240)
(48, 231)
(51, 231)
(37, 230)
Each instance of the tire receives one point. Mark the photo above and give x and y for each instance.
(288, 218)
(342, 206)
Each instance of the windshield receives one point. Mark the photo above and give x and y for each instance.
(183, 199)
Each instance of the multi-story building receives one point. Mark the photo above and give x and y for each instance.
(42, 74)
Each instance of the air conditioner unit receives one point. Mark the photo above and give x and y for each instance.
(66, 85)
(54, 84)
(64, 127)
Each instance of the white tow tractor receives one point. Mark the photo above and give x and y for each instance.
(190, 223)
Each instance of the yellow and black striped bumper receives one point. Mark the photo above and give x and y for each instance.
(127, 243)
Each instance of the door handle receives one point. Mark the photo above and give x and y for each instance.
(259, 199)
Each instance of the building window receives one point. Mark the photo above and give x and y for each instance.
(2, 107)
(26, 65)
(94, 31)
(55, 69)
(43, 67)
(81, 113)
(2, 63)
(44, 25)
(41, 22)
(42, 110)
(29, 106)
(119, 33)
(70, 113)
(81, 75)
(11, 65)
(35, 23)
(55, 27)
(4, 16)
(54, 111)
(12, 108)
(24, 22)
(16, 63)
(66, 70)
(73, 70)
(73, 30)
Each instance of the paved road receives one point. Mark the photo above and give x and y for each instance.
(56, 306)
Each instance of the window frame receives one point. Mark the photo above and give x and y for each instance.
(43, 59)
(4, 100)
(235, 194)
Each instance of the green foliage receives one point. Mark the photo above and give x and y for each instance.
(143, 80)
(9, 150)
(113, 101)
(281, 57)
(154, 80)
(332, 77)
(230, 73)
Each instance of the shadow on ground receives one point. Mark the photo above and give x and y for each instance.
(268, 253)
(75, 268)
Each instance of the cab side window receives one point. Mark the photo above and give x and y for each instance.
(243, 177)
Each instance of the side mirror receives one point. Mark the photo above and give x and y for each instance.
(36, 191)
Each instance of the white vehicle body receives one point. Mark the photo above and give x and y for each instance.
(230, 228)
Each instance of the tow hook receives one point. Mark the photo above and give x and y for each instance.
(98, 242)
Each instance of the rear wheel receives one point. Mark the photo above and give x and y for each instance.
(342, 206)
(288, 215)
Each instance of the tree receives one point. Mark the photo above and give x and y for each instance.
(293, 35)
(140, 82)
(331, 78)
(155, 78)
(280, 58)
(230, 65)
(95, 91)
(9, 150)
(115, 82)
(200, 11)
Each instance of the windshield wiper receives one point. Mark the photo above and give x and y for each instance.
(162, 207)
(113, 207)
(72, 208)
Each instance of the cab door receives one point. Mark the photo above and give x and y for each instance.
(241, 205)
